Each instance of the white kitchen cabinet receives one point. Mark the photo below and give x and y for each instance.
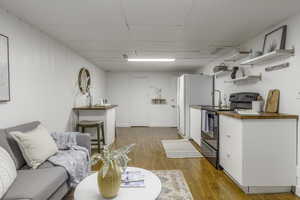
(259, 154)
(195, 124)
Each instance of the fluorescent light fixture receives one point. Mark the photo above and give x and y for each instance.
(151, 59)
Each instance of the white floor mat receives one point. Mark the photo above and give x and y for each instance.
(181, 148)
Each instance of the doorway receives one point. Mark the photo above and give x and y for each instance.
(139, 100)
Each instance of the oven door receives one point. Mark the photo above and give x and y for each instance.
(209, 153)
(210, 128)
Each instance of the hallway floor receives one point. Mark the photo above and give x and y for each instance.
(205, 182)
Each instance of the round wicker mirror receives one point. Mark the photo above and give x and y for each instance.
(84, 80)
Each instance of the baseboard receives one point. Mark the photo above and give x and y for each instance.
(123, 125)
(297, 190)
(181, 135)
(162, 125)
(261, 189)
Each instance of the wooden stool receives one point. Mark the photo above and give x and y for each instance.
(93, 124)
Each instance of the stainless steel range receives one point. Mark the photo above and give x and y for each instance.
(210, 124)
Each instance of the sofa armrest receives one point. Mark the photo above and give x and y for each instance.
(84, 140)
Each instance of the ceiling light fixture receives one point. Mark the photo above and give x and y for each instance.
(151, 59)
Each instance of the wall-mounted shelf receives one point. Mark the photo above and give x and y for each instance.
(245, 79)
(278, 54)
(238, 56)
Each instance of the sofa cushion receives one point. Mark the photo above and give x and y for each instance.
(37, 184)
(8, 171)
(36, 145)
(4, 144)
(17, 154)
(45, 165)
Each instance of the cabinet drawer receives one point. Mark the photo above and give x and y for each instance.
(234, 166)
(231, 146)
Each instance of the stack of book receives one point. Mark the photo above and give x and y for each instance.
(133, 179)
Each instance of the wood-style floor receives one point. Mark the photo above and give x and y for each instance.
(205, 182)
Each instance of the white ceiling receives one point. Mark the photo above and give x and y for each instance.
(189, 30)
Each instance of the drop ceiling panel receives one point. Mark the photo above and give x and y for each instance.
(157, 12)
(235, 20)
(67, 11)
(155, 33)
(99, 45)
(86, 32)
(189, 30)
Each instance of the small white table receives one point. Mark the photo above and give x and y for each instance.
(88, 188)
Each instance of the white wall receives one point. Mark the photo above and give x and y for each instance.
(43, 77)
(287, 80)
(119, 93)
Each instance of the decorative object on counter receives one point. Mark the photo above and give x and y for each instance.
(4, 69)
(84, 80)
(277, 67)
(89, 99)
(159, 101)
(275, 40)
(257, 106)
(103, 101)
(109, 175)
(272, 104)
(225, 102)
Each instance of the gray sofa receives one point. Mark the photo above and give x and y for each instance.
(48, 182)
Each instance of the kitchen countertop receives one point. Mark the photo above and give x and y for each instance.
(196, 106)
(260, 116)
(95, 107)
(211, 108)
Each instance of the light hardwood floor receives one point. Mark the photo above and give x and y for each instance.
(205, 182)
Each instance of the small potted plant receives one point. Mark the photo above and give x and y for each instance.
(113, 163)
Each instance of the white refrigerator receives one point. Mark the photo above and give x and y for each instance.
(192, 89)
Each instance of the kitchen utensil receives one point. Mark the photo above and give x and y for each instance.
(272, 104)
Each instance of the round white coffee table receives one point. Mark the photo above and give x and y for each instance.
(88, 188)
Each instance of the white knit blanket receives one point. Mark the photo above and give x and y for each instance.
(75, 159)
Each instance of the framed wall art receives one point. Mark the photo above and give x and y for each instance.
(275, 40)
(4, 69)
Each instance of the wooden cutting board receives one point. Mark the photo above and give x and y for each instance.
(272, 104)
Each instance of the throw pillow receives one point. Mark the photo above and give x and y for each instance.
(8, 171)
(36, 145)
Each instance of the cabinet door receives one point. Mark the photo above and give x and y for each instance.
(223, 142)
(195, 125)
(231, 146)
